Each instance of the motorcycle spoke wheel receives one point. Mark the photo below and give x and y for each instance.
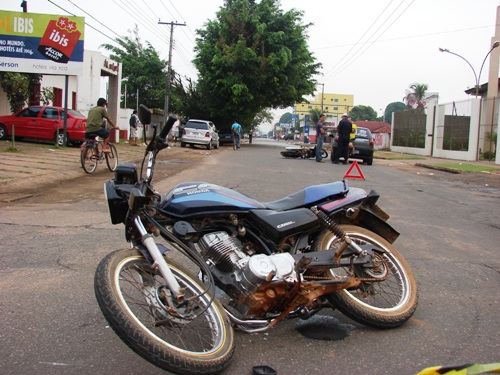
(387, 303)
(134, 300)
(112, 158)
(88, 159)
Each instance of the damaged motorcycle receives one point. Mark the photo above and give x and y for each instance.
(205, 260)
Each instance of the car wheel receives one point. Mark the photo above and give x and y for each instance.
(217, 145)
(59, 139)
(209, 145)
(183, 144)
(3, 132)
(369, 161)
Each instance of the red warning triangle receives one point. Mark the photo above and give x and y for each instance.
(360, 174)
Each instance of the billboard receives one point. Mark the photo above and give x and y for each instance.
(41, 43)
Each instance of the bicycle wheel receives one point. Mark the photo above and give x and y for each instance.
(134, 299)
(112, 158)
(88, 158)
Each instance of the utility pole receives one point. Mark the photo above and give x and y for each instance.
(168, 86)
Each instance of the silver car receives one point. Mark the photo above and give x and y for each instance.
(200, 132)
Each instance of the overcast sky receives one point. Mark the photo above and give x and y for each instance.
(373, 50)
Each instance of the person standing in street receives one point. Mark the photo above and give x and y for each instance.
(134, 124)
(344, 130)
(236, 133)
(352, 137)
(320, 138)
(175, 131)
(95, 120)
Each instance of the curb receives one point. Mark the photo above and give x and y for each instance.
(444, 169)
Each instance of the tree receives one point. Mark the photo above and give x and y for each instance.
(142, 68)
(21, 87)
(251, 57)
(393, 107)
(314, 115)
(362, 112)
(261, 117)
(415, 95)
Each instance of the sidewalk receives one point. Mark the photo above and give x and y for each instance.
(454, 166)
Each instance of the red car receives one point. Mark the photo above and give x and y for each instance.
(42, 123)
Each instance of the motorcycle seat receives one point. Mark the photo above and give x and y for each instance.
(309, 196)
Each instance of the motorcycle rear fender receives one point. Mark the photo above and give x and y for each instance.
(359, 208)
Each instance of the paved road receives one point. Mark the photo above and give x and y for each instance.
(50, 322)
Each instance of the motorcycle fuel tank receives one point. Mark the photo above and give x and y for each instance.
(201, 198)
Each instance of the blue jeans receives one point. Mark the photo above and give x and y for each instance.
(237, 139)
(319, 147)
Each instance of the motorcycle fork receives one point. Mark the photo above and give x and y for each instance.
(159, 261)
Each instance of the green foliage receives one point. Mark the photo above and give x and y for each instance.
(143, 70)
(393, 107)
(17, 88)
(47, 95)
(251, 57)
(362, 112)
(415, 96)
(264, 116)
(314, 116)
(492, 138)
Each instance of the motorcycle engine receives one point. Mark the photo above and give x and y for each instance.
(250, 272)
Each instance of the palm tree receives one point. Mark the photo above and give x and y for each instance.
(314, 116)
(415, 95)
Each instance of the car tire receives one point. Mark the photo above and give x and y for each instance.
(59, 141)
(183, 144)
(209, 145)
(369, 161)
(3, 132)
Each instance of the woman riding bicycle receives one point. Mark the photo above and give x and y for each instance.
(95, 120)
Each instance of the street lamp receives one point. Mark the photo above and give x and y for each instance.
(477, 77)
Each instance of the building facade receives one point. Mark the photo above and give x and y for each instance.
(331, 105)
(101, 77)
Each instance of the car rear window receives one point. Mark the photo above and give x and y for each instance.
(76, 114)
(363, 133)
(197, 125)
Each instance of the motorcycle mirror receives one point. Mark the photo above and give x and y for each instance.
(144, 115)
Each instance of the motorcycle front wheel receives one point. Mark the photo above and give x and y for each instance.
(135, 301)
(387, 303)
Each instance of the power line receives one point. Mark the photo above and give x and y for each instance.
(86, 23)
(359, 52)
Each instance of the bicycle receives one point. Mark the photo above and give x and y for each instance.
(92, 154)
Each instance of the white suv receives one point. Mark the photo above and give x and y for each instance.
(200, 132)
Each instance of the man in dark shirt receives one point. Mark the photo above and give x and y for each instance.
(320, 138)
(343, 136)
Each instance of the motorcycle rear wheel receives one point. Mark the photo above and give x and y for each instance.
(131, 296)
(381, 304)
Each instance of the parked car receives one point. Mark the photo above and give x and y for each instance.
(364, 146)
(200, 132)
(42, 122)
(225, 135)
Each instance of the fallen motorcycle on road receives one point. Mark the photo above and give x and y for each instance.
(302, 152)
(205, 259)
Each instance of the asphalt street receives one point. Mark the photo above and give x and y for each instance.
(51, 324)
